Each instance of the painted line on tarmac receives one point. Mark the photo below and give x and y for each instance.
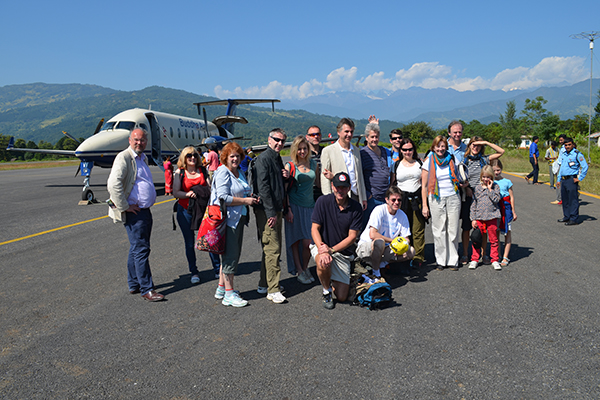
(66, 226)
(545, 183)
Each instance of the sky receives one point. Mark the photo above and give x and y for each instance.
(294, 50)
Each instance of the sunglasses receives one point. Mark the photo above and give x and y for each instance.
(411, 149)
(313, 134)
(278, 140)
(396, 138)
(396, 200)
(190, 155)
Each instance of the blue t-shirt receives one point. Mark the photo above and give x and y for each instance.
(533, 149)
(504, 184)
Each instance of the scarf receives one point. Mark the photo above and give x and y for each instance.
(433, 186)
(477, 157)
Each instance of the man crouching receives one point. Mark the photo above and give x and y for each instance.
(336, 222)
(386, 222)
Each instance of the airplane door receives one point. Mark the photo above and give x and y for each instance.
(156, 140)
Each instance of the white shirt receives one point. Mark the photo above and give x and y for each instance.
(442, 175)
(408, 178)
(143, 193)
(349, 160)
(388, 225)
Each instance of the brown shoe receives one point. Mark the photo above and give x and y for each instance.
(153, 296)
(134, 291)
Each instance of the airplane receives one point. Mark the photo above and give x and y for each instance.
(168, 135)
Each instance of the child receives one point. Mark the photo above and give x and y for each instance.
(485, 212)
(507, 208)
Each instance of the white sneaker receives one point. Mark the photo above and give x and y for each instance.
(276, 297)
(496, 265)
(473, 265)
(234, 300)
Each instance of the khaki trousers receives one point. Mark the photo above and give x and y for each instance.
(270, 238)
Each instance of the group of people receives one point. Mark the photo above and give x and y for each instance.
(337, 203)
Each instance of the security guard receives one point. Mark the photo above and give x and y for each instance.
(571, 161)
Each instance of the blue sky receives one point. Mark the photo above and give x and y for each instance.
(293, 50)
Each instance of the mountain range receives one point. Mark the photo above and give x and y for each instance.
(40, 111)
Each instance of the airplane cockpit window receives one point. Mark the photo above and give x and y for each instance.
(128, 125)
(108, 125)
(144, 127)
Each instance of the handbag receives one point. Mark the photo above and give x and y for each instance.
(211, 235)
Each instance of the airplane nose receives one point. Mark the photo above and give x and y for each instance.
(104, 143)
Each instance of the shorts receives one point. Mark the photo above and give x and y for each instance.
(340, 267)
(364, 250)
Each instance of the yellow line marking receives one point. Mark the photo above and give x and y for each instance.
(67, 226)
(544, 183)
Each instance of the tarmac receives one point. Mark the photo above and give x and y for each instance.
(69, 328)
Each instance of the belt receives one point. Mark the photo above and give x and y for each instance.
(567, 177)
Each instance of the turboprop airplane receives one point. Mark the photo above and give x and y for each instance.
(168, 135)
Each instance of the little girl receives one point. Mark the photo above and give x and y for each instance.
(485, 212)
(507, 208)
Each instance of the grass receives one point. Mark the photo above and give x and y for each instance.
(517, 162)
(36, 164)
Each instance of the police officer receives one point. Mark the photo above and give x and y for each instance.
(571, 161)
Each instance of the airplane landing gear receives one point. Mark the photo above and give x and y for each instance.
(87, 196)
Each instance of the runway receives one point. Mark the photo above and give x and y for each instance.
(70, 329)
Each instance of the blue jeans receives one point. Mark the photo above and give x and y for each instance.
(139, 227)
(184, 219)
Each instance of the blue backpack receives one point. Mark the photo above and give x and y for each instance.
(377, 296)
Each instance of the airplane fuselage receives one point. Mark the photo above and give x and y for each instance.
(175, 132)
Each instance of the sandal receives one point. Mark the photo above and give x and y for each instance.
(504, 262)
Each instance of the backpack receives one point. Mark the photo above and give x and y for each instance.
(378, 296)
(251, 174)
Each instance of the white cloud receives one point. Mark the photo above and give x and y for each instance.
(429, 75)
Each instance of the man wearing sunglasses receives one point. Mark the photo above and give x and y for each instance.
(313, 136)
(270, 176)
(387, 222)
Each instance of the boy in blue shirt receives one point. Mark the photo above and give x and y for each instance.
(534, 156)
(569, 176)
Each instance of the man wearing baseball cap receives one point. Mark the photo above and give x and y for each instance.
(336, 223)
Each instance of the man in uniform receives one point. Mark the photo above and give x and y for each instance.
(132, 193)
(569, 176)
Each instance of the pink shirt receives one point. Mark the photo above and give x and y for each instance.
(213, 160)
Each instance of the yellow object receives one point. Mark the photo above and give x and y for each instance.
(399, 245)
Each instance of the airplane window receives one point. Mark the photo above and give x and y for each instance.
(144, 127)
(171, 130)
(186, 134)
(179, 133)
(108, 125)
(128, 125)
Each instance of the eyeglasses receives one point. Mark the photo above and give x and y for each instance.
(190, 155)
(396, 138)
(278, 140)
(313, 134)
(411, 149)
(396, 200)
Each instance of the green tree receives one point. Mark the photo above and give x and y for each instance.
(510, 124)
(418, 131)
(533, 114)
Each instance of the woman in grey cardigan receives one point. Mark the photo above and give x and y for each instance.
(230, 186)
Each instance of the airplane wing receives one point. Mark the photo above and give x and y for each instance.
(11, 147)
(235, 101)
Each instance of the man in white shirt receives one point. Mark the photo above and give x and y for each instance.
(132, 193)
(343, 157)
(387, 222)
